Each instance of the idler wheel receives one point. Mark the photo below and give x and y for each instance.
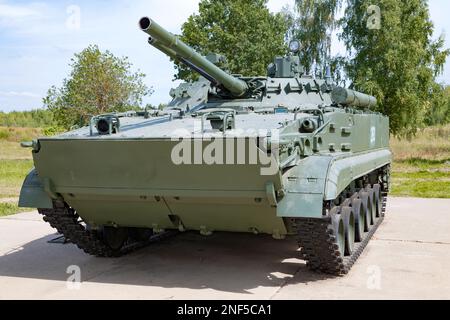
(115, 238)
(349, 229)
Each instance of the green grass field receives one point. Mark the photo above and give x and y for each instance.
(15, 163)
(12, 173)
(421, 167)
(429, 182)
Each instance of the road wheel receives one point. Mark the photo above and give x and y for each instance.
(115, 238)
(360, 219)
(354, 196)
(140, 234)
(349, 229)
(372, 206)
(378, 200)
(364, 197)
(337, 224)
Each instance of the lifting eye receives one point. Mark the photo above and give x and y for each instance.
(103, 126)
(108, 125)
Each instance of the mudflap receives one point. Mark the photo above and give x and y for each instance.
(33, 194)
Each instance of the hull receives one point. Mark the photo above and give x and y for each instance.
(135, 182)
(106, 188)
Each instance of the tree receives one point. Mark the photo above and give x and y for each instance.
(244, 31)
(439, 113)
(394, 58)
(312, 23)
(98, 83)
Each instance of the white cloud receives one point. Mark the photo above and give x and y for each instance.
(15, 11)
(24, 94)
(278, 5)
(30, 19)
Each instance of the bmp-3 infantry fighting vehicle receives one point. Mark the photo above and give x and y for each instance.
(287, 154)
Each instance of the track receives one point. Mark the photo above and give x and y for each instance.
(67, 223)
(319, 246)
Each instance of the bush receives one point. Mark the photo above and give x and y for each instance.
(53, 131)
(29, 119)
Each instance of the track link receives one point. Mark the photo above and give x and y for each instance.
(319, 246)
(66, 222)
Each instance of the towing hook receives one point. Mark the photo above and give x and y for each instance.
(35, 145)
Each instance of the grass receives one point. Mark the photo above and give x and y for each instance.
(425, 181)
(429, 146)
(12, 175)
(15, 163)
(421, 188)
(12, 134)
(13, 151)
(7, 209)
(422, 165)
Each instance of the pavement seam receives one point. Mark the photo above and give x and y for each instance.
(413, 241)
(11, 251)
(14, 249)
(12, 218)
(284, 284)
(28, 220)
(100, 273)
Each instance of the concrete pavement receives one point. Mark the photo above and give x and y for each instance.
(409, 258)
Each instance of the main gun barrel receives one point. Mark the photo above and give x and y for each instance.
(172, 44)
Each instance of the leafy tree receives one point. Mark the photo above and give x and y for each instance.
(98, 83)
(312, 23)
(439, 113)
(244, 31)
(398, 62)
(447, 109)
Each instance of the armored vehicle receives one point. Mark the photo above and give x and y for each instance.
(287, 154)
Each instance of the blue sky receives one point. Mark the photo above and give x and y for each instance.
(38, 38)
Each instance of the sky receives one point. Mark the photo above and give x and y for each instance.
(39, 37)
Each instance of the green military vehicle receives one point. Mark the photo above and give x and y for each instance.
(287, 154)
